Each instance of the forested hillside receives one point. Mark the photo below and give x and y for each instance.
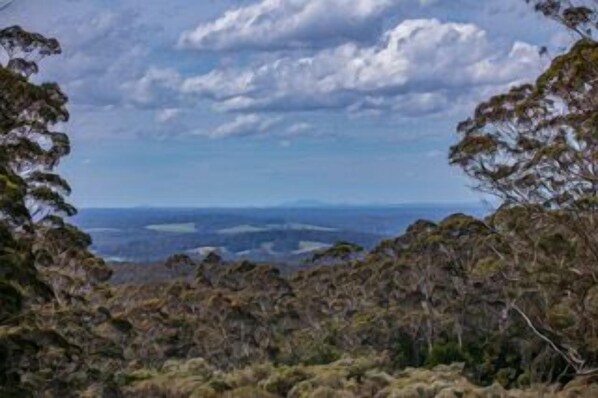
(504, 306)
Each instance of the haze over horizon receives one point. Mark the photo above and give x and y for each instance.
(240, 103)
(307, 204)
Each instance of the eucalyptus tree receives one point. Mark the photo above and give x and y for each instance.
(536, 148)
(33, 147)
(580, 16)
(46, 269)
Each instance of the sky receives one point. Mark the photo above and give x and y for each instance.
(217, 103)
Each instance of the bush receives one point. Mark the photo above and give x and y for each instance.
(446, 354)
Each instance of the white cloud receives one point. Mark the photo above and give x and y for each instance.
(278, 24)
(245, 125)
(298, 128)
(419, 67)
(101, 50)
(167, 115)
(120, 58)
(153, 87)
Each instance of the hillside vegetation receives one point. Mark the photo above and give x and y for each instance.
(505, 306)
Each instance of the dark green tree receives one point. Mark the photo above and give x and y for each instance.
(33, 149)
(47, 274)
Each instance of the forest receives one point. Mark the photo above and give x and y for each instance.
(500, 306)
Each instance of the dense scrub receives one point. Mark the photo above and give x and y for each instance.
(439, 294)
(346, 378)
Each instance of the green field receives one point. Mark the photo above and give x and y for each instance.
(185, 228)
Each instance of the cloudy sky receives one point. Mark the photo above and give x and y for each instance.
(238, 102)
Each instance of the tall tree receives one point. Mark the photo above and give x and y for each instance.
(46, 270)
(536, 148)
(30, 112)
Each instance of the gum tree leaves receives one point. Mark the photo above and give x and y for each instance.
(536, 148)
(539, 143)
(47, 272)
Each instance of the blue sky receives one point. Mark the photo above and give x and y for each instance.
(243, 103)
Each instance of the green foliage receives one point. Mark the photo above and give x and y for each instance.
(11, 300)
(535, 147)
(405, 352)
(320, 353)
(446, 353)
(343, 251)
(521, 147)
(355, 378)
(283, 381)
(47, 274)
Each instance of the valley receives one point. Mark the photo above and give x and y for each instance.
(288, 235)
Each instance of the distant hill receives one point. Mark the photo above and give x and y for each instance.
(281, 234)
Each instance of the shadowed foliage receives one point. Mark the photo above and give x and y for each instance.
(49, 330)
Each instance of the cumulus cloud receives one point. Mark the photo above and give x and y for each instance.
(283, 24)
(339, 55)
(418, 67)
(245, 125)
(101, 50)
